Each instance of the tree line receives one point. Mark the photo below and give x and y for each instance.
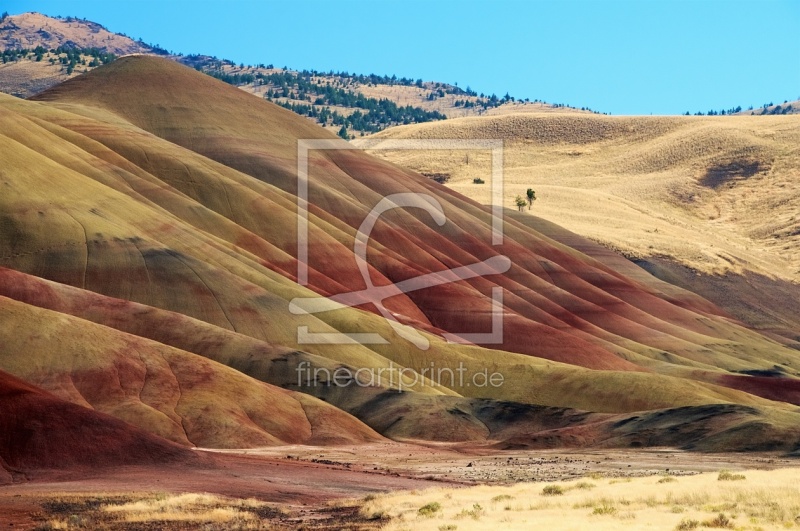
(766, 109)
(378, 115)
(313, 99)
(68, 57)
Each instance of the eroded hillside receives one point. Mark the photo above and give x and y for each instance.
(150, 208)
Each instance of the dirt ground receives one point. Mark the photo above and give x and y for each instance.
(321, 487)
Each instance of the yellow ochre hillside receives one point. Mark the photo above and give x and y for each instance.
(151, 208)
(708, 203)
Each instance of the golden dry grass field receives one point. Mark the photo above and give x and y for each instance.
(717, 195)
(752, 500)
(675, 498)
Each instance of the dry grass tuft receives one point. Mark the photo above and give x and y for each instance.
(429, 509)
(726, 475)
(553, 490)
(198, 508)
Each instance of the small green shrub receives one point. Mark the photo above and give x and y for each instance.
(584, 485)
(553, 490)
(727, 475)
(605, 509)
(478, 180)
(502, 497)
(667, 479)
(429, 509)
(686, 524)
(720, 521)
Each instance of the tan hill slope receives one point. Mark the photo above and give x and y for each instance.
(25, 72)
(29, 30)
(174, 194)
(27, 77)
(787, 107)
(709, 203)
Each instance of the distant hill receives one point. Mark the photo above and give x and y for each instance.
(353, 104)
(767, 109)
(365, 103)
(360, 104)
(40, 51)
(706, 202)
(30, 30)
(787, 107)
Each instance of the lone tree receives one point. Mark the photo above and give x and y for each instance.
(343, 133)
(531, 197)
(520, 203)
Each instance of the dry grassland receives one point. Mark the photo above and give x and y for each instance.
(752, 500)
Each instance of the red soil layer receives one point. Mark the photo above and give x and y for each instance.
(773, 388)
(193, 252)
(39, 432)
(573, 307)
(174, 394)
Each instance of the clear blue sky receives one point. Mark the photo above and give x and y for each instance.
(622, 57)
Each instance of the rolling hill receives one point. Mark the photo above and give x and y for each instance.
(329, 98)
(25, 72)
(774, 109)
(707, 203)
(39, 431)
(29, 30)
(148, 231)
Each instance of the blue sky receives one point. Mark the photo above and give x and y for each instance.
(622, 57)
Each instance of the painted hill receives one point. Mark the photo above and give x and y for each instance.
(150, 207)
(708, 203)
(176, 395)
(38, 432)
